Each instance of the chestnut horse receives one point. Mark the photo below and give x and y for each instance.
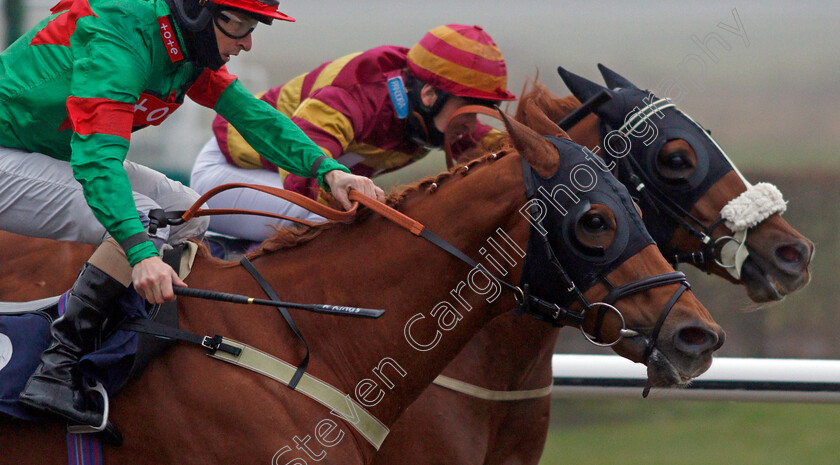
(187, 408)
(680, 162)
(514, 431)
(36, 268)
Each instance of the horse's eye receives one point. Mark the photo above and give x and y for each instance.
(594, 223)
(678, 161)
(675, 164)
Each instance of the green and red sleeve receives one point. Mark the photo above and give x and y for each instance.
(110, 70)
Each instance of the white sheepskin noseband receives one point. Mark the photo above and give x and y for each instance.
(755, 205)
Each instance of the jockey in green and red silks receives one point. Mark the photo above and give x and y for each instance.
(77, 85)
(72, 90)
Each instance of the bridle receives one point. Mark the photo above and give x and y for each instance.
(683, 218)
(728, 251)
(560, 315)
(553, 313)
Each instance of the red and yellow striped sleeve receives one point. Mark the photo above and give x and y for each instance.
(326, 114)
(330, 117)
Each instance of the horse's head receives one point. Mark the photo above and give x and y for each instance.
(588, 250)
(696, 203)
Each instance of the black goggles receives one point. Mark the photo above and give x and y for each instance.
(234, 25)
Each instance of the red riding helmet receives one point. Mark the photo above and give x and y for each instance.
(265, 8)
(462, 61)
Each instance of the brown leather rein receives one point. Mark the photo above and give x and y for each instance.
(471, 109)
(331, 214)
(320, 209)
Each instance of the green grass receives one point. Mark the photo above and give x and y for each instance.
(686, 433)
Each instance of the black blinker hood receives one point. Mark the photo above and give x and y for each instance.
(711, 166)
(627, 99)
(584, 266)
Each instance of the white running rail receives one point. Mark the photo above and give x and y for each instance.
(729, 379)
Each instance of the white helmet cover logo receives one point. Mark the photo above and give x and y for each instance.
(5, 350)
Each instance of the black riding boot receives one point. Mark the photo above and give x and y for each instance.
(55, 387)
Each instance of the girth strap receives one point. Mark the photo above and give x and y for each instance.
(487, 394)
(320, 391)
(245, 356)
(146, 326)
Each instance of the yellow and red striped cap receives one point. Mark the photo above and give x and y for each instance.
(461, 60)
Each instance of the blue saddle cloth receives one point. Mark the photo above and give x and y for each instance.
(24, 336)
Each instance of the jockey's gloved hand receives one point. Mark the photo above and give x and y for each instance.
(340, 184)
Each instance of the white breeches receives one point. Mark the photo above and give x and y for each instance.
(39, 197)
(211, 170)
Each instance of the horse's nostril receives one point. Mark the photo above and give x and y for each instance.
(790, 254)
(693, 336)
(696, 340)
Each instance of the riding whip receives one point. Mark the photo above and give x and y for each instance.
(243, 299)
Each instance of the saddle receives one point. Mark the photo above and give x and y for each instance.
(120, 354)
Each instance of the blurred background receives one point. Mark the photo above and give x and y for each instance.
(766, 85)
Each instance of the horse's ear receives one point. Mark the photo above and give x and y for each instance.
(614, 79)
(540, 154)
(537, 120)
(581, 87)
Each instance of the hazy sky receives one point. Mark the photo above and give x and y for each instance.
(773, 82)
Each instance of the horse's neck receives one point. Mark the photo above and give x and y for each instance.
(434, 303)
(511, 353)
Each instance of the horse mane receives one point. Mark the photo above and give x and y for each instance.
(429, 184)
(294, 236)
(551, 104)
(538, 106)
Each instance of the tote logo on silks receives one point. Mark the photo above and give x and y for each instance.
(399, 97)
(170, 39)
(5, 350)
(152, 110)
